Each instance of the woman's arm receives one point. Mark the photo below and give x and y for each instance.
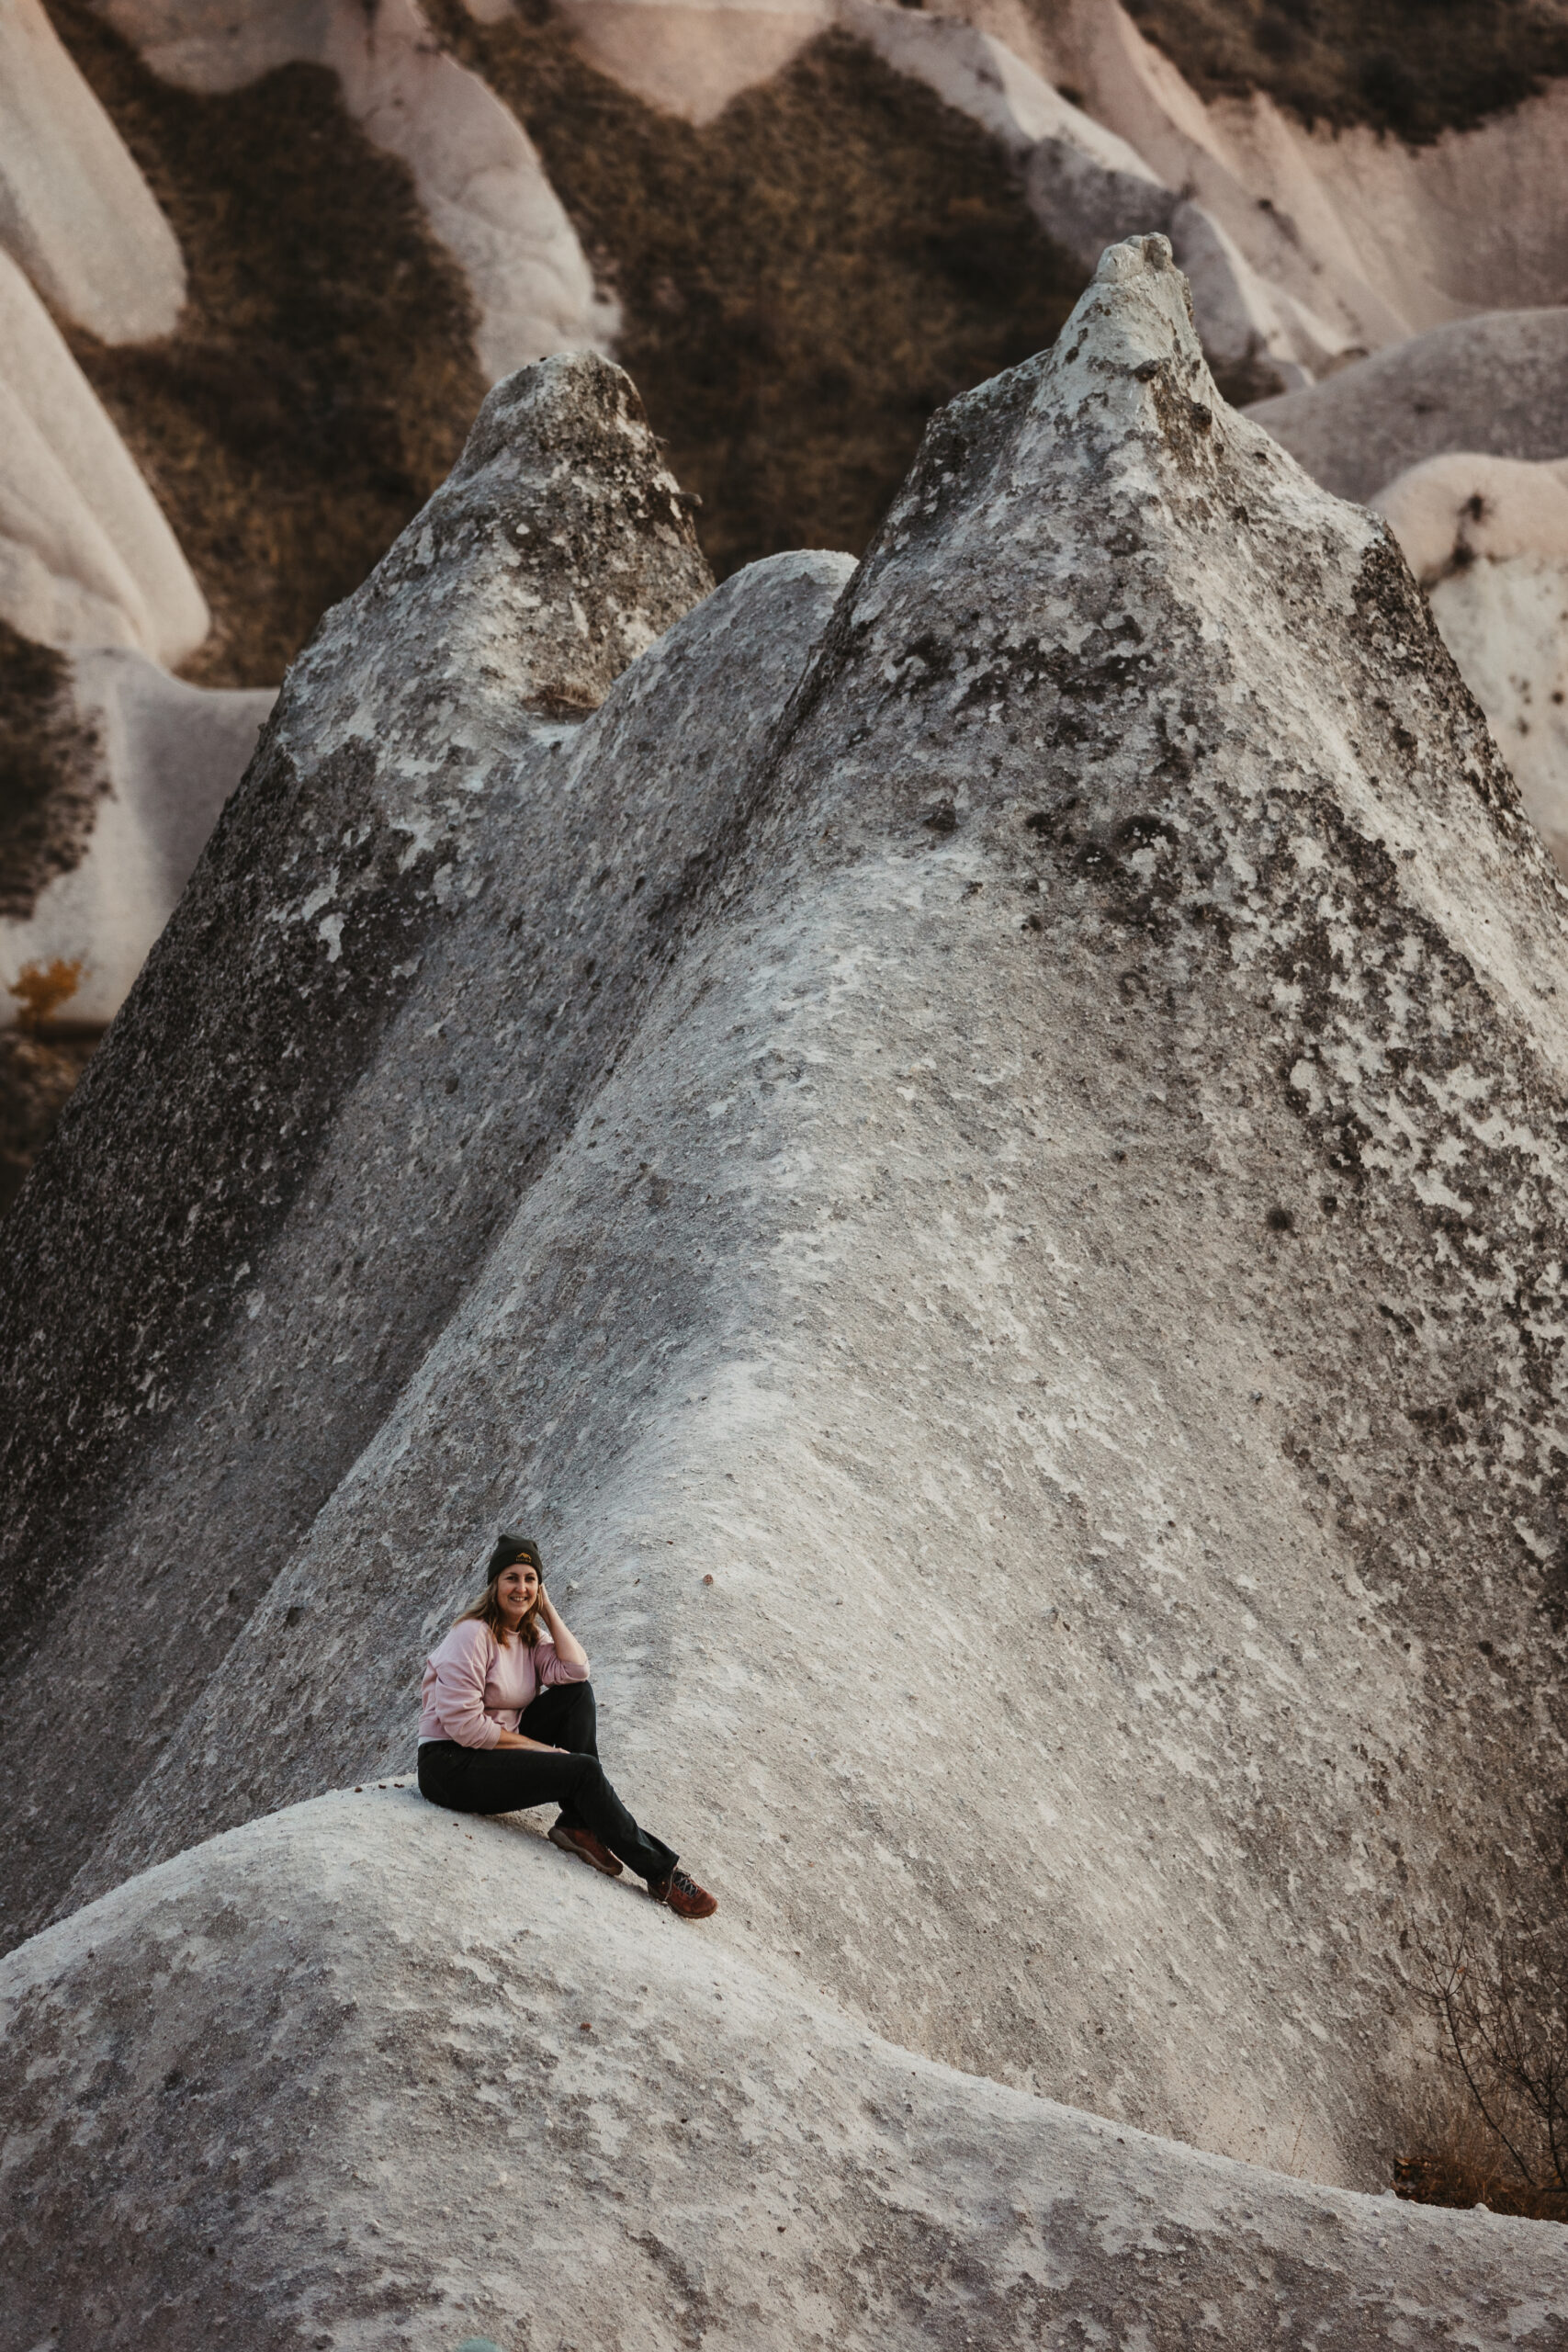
(568, 1649)
(457, 1696)
(520, 1739)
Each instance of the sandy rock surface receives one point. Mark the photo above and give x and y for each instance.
(365, 2074)
(1089, 188)
(1376, 239)
(75, 212)
(1304, 246)
(691, 57)
(166, 757)
(1487, 538)
(86, 556)
(1493, 385)
(1065, 1229)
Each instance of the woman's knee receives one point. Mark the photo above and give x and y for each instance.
(441, 1787)
(588, 1776)
(580, 1717)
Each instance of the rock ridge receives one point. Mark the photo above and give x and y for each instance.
(556, 553)
(201, 2068)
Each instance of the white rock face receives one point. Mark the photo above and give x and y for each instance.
(75, 212)
(1301, 247)
(1497, 384)
(1090, 188)
(368, 2072)
(691, 57)
(478, 177)
(86, 556)
(168, 757)
(1487, 538)
(1465, 508)
(1378, 240)
(1009, 1114)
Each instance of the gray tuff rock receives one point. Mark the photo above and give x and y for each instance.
(392, 809)
(1029, 1344)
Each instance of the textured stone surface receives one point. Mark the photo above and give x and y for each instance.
(1064, 1231)
(1497, 384)
(383, 817)
(365, 2075)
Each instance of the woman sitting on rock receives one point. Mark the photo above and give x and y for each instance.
(507, 1721)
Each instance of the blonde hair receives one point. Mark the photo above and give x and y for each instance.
(486, 1608)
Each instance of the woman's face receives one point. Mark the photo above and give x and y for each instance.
(517, 1588)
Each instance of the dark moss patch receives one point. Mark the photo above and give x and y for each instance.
(50, 779)
(803, 280)
(1412, 67)
(322, 376)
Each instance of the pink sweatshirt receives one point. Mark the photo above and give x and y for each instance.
(474, 1689)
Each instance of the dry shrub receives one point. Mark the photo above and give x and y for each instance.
(1413, 67)
(1496, 2132)
(803, 280)
(323, 376)
(50, 778)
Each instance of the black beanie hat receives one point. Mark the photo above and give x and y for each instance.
(509, 1550)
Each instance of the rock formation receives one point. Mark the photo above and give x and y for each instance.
(86, 555)
(363, 2075)
(978, 1150)
(1487, 538)
(478, 175)
(75, 211)
(382, 822)
(1326, 240)
(1383, 236)
(1491, 384)
(1300, 249)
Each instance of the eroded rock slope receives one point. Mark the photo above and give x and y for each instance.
(411, 792)
(1066, 1232)
(305, 2081)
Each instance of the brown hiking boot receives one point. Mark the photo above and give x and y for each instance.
(587, 1847)
(684, 1896)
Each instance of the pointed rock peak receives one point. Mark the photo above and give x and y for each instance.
(1132, 332)
(1124, 387)
(557, 550)
(1137, 297)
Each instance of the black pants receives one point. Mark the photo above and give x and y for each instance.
(510, 1779)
